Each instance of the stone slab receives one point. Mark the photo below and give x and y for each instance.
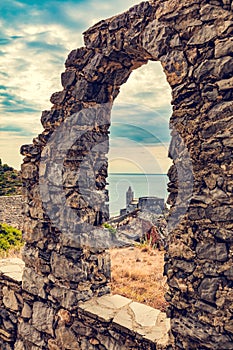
(144, 315)
(132, 317)
(12, 268)
(105, 307)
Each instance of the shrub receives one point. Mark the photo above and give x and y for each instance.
(111, 229)
(10, 182)
(10, 238)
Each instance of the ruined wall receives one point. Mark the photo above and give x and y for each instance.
(30, 322)
(65, 169)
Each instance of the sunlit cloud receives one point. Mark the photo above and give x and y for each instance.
(126, 156)
(36, 37)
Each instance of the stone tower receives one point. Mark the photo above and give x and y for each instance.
(129, 196)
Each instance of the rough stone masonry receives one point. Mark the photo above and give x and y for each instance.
(65, 169)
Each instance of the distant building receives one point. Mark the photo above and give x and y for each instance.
(153, 204)
(129, 196)
(150, 204)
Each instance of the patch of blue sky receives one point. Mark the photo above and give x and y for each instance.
(154, 135)
(11, 103)
(4, 74)
(40, 12)
(4, 41)
(140, 114)
(15, 37)
(140, 123)
(41, 46)
(13, 129)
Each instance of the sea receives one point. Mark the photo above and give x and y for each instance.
(141, 184)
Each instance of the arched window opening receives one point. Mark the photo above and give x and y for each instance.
(138, 164)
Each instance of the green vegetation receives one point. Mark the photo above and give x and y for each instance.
(111, 229)
(10, 183)
(10, 239)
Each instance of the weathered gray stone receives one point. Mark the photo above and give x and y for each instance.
(203, 35)
(220, 111)
(214, 69)
(212, 251)
(66, 269)
(66, 339)
(58, 97)
(26, 311)
(219, 214)
(9, 299)
(223, 47)
(68, 78)
(43, 318)
(175, 67)
(225, 84)
(208, 289)
(70, 298)
(29, 333)
(209, 12)
(33, 283)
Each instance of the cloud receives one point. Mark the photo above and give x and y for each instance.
(128, 156)
(36, 37)
(152, 133)
(148, 86)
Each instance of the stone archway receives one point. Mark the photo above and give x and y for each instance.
(193, 42)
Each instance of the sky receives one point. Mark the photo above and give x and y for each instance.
(36, 37)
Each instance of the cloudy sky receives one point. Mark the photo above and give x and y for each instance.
(36, 37)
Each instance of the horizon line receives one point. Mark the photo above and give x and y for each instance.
(137, 174)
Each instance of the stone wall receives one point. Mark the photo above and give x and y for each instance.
(11, 301)
(30, 322)
(65, 169)
(11, 211)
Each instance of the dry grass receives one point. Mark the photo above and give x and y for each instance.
(137, 273)
(11, 253)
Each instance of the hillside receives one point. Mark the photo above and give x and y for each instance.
(10, 183)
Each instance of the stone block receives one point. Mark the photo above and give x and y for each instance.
(203, 34)
(212, 251)
(175, 66)
(68, 79)
(26, 311)
(144, 315)
(208, 289)
(223, 47)
(66, 339)
(66, 269)
(9, 299)
(29, 333)
(68, 298)
(33, 283)
(225, 84)
(43, 318)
